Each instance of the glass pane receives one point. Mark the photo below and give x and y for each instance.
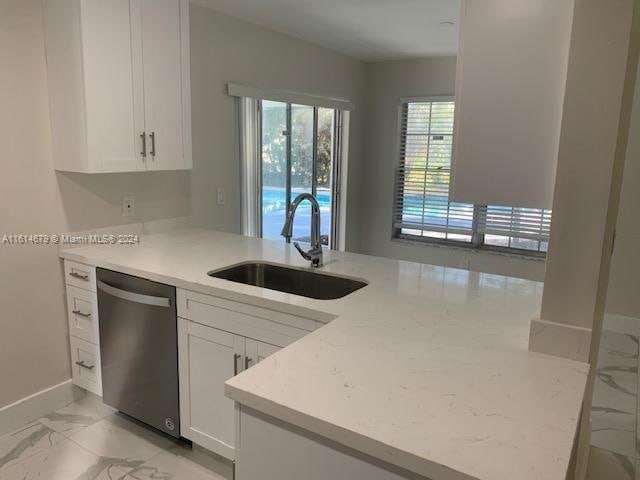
(324, 169)
(274, 168)
(427, 143)
(525, 244)
(302, 167)
(496, 240)
(458, 237)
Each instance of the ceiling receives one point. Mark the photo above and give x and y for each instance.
(370, 30)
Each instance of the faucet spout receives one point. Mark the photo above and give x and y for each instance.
(315, 254)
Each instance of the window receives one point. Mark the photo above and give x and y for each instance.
(295, 150)
(422, 210)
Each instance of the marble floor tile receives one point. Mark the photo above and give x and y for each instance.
(638, 434)
(615, 390)
(621, 442)
(604, 465)
(25, 442)
(614, 414)
(113, 448)
(613, 358)
(204, 458)
(168, 466)
(63, 461)
(623, 379)
(117, 437)
(78, 415)
(614, 431)
(619, 342)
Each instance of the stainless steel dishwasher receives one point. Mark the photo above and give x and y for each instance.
(139, 349)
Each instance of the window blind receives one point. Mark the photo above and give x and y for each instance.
(421, 206)
(529, 223)
(421, 202)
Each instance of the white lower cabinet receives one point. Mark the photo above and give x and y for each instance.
(208, 357)
(257, 351)
(217, 339)
(85, 365)
(84, 334)
(82, 313)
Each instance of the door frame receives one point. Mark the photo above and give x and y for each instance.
(336, 167)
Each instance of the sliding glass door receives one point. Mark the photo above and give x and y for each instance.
(299, 155)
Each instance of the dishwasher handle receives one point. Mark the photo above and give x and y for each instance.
(134, 297)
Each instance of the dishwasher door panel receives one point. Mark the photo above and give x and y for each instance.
(139, 349)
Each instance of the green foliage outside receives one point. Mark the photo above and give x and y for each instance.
(274, 146)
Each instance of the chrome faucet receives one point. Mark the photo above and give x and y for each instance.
(315, 254)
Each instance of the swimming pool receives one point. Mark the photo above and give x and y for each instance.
(274, 205)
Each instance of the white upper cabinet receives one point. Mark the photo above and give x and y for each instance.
(510, 85)
(119, 86)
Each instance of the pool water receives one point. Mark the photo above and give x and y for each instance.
(274, 206)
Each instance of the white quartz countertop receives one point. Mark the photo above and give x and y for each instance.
(426, 368)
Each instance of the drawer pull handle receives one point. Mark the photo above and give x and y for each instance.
(134, 297)
(84, 365)
(153, 144)
(235, 363)
(247, 361)
(81, 313)
(143, 136)
(80, 276)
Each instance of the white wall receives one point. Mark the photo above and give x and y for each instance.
(623, 296)
(33, 328)
(224, 49)
(387, 83)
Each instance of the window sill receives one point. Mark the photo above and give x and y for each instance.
(450, 245)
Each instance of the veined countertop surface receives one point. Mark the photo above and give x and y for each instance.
(426, 368)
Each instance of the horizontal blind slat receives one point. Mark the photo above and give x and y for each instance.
(421, 195)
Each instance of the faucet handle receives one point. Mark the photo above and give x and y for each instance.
(304, 254)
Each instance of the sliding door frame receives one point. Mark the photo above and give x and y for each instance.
(336, 163)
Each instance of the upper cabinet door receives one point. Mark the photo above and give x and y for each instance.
(118, 76)
(163, 83)
(109, 86)
(510, 85)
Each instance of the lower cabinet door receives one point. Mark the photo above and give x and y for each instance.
(207, 358)
(256, 351)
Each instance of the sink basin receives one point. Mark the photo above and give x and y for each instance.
(297, 281)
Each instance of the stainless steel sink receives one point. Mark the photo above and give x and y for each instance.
(297, 281)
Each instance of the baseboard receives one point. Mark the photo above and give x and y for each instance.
(34, 406)
(622, 324)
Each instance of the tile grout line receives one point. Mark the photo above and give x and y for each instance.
(122, 473)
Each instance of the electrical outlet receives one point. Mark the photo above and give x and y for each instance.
(221, 196)
(128, 206)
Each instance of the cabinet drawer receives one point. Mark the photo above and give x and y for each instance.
(82, 312)
(85, 365)
(79, 275)
(270, 326)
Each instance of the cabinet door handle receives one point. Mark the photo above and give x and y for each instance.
(247, 361)
(81, 313)
(143, 136)
(84, 365)
(236, 356)
(153, 144)
(79, 276)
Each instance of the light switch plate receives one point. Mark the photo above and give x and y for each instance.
(128, 206)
